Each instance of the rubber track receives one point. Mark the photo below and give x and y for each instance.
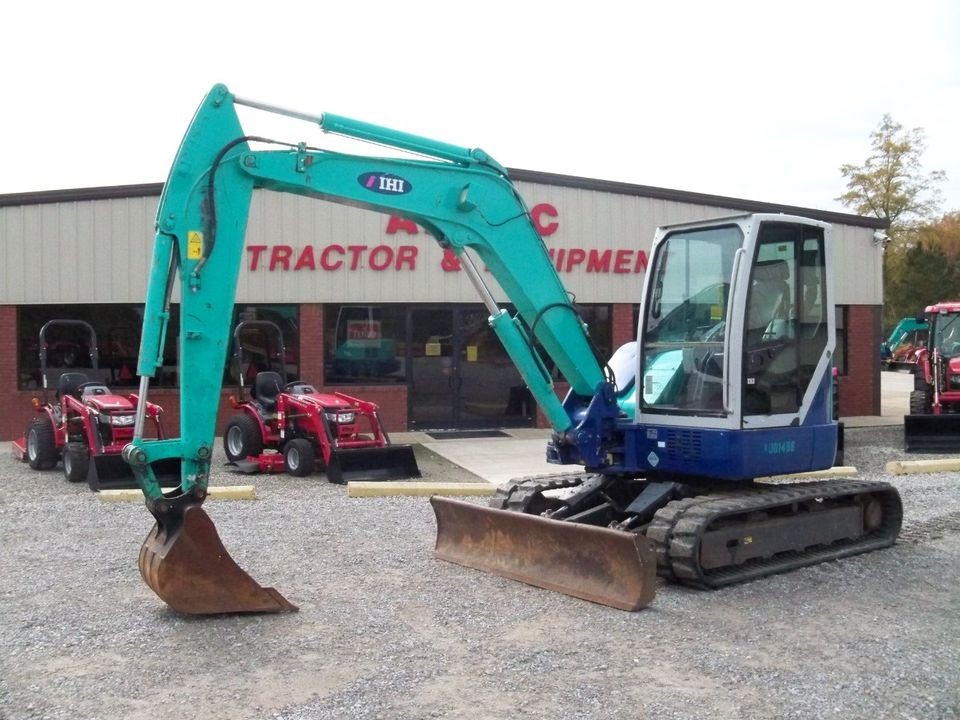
(677, 529)
(517, 495)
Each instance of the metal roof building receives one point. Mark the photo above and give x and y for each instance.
(332, 275)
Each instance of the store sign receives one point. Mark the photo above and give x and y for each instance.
(363, 330)
(336, 257)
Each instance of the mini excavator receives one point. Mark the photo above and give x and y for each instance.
(729, 380)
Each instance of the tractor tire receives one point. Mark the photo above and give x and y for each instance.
(299, 457)
(920, 402)
(242, 438)
(76, 461)
(41, 444)
(919, 381)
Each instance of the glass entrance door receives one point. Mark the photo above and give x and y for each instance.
(491, 392)
(432, 373)
(461, 377)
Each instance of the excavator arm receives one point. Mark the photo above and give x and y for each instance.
(462, 197)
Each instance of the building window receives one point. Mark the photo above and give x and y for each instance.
(364, 344)
(600, 325)
(116, 330)
(600, 328)
(840, 354)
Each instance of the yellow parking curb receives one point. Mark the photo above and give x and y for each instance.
(228, 492)
(836, 471)
(910, 467)
(386, 489)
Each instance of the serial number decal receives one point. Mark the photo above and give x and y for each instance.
(784, 447)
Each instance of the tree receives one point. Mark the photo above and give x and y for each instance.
(943, 234)
(927, 275)
(891, 183)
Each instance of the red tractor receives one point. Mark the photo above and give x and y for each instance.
(291, 426)
(87, 424)
(933, 424)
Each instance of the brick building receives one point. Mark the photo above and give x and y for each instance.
(368, 303)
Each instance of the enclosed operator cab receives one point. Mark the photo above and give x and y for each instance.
(704, 377)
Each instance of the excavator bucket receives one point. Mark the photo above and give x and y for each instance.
(604, 566)
(391, 462)
(112, 472)
(931, 433)
(187, 566)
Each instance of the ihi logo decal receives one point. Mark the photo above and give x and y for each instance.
(385, 183)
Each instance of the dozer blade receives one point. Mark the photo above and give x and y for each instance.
(931, 433)
(191, 571)
(593, 563)
(392, 462)
(112, 472)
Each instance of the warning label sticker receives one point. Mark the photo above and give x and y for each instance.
(194, 245)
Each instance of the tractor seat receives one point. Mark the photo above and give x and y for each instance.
(69, 384)
(265, 389)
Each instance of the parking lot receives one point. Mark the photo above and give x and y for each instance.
(386, 631)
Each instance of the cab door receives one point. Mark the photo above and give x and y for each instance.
(787, 328)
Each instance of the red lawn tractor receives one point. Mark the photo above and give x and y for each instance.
(933, 424)
(291, 426)
(87, 424)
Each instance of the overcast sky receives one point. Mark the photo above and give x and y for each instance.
(758, 100)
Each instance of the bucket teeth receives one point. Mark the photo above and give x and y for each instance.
(191, 571)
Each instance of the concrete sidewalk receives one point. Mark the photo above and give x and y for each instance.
(498, 460)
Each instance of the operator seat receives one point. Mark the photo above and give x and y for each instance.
(70, 382)
(266, 387)
(771, 360)
(769, 299)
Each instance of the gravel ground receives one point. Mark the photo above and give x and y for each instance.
(386, 631)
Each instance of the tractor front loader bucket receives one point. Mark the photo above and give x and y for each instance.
(391, 462)
(112, 472)
(18, 449)
(185, 563)
(593, 563)
(931, 433)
